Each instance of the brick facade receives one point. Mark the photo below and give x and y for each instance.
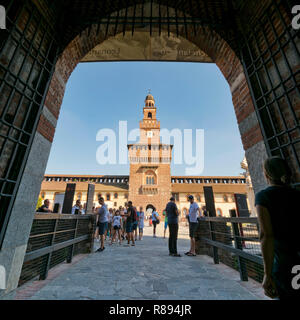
(150, 172)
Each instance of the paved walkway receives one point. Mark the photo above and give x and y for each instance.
(146, 271)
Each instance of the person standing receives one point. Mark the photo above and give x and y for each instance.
(96, 235)
(135, 224)
(45, 207)
(205, 213)
(172, 214)
(123, 224)
(279, 219)
(124, 221)
(116, 225)
(109, 224)
(102, 222)
(76, 208)
(166, 223)
(130, 218)
(155, 221)
(194, 213)
(141, 217)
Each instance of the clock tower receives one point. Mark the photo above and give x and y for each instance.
(150, 160)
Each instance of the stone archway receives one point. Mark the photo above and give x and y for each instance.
(217, 42)
(209, 42)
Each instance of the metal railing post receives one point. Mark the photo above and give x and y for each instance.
(213, 237)
(70, 256)
(239, 245)
(44, 274)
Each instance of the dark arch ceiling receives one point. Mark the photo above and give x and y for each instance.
(229, 18)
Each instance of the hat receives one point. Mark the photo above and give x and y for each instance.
(191, 197)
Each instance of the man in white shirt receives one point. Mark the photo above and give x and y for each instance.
(194, 213)
(102, 222)
(76, 207)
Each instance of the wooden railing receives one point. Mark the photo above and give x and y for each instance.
(55, 238)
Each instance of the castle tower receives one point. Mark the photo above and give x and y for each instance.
(150, 160)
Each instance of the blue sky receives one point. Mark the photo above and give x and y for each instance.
(188, 96)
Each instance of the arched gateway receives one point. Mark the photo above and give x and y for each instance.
(252, 42)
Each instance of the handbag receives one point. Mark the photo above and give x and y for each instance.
(157, 220)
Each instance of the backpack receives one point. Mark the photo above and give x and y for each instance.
(156, 216)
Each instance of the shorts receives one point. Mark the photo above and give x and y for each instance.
(129, 226)
(117, 227)
(166, 225)
(141, 230)
(134, 226)
(154, 224)
(193, 228)
(102, 227)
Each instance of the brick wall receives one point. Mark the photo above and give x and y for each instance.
(163, 186)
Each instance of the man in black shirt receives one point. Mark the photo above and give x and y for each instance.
(131, 218)
(45, 207)
(172, 214)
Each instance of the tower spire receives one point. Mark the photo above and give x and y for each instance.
(149, 101)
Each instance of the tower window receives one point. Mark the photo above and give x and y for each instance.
(150, 178)
(150, 115)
